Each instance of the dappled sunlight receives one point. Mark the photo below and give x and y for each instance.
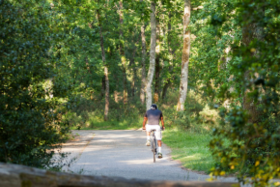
(187, 157)
(138, 162)
(69, 65)
(125, 158)
(191, 149)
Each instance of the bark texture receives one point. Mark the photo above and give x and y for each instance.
(157, 66)
(132, 63)
(103, 87)
(185, 57)
(143, 63)
(106, 74)
(152, 57)
(157, 78)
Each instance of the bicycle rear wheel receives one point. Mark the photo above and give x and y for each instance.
(154, 151)
(153, 146)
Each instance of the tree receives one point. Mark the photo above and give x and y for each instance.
(170, 59)
(185, 57)
(152, 56)
(30, 124)
(106, 74)
(143, 62)
(122, 54)
(250, 124)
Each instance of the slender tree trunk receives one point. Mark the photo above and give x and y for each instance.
(133, 81)
(143, 62)
(123, 60)
(106, 74)
(157, 61)
(165, 87)
(171, 53)
(158, 68)
(116, 92)
(103, 86)
(157, 80)
(132, 63)
(152, 57)
(185, 57)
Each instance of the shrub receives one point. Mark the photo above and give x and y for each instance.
(29, 123)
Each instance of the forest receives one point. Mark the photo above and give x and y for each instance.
(211, 66)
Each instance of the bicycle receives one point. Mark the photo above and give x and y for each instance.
(153, 144)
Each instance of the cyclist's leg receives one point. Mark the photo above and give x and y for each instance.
(148, 132)
(158, 137)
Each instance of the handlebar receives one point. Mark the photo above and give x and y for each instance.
(154, 130)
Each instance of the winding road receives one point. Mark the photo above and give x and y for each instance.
(123, 153)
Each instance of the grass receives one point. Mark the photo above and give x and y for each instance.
(96, 123)
(191, 149)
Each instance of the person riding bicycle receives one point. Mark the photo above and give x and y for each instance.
(153, 116)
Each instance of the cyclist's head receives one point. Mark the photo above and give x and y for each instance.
(153, 106)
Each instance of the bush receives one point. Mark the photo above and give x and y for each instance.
(250, 125)
(29, 123)
(197, 117)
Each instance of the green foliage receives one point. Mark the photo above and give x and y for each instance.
(29, 124)
(251, 83)
(88, 114)
(197, 117)
(52, 76)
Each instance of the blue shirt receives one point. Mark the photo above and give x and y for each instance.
(154, 116)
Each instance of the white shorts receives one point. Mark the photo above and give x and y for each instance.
(149, 128)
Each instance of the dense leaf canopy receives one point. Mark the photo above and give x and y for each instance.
(52, 71)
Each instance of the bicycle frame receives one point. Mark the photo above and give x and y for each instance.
(153, 144)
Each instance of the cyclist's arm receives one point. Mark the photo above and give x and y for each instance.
(144, 123)
(162, 122)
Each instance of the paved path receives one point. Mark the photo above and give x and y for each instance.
(124, 154)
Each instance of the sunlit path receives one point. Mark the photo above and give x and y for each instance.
(123, 154)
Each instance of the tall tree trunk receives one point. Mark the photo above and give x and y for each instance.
(143, 62)
(106, 110)
(116, 92)
(185, 57)
(158, 68)
(171, 53)
(157, 61)
(250, 32)
(165, 87)
(152, 57)
(103, 86)
(132, 63)
(123, 60)
(157, 74)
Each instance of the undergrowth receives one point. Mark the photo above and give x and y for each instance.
(88, 113)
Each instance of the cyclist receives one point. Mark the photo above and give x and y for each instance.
(153, 116)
